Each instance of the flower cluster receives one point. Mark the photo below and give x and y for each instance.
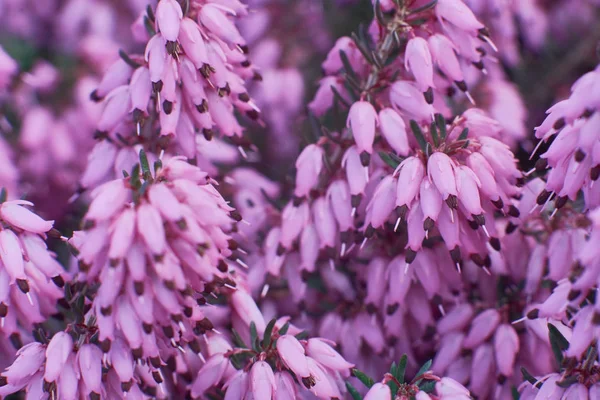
(190, 79)
(157, 242)
(572, 155)
(199, 258)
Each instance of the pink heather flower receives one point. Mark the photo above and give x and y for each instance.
(308, 167)
(379, 391)
(262, 381)
(482, 326)
(333, 62)
(214, 18)
(324, 354)
(356, 173)
(418, 61)
(168, 19)
(292, 354)
(209, 375)
(362, 120)
(448, 388)
(393, 129)
(323, 99)
(457, 13)
(409, 99)
(506, 346)
(58, 351)
(444, 55)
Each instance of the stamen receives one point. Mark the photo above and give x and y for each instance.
(264, 291)
(243, 152)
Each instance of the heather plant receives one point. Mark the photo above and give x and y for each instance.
(213, 221)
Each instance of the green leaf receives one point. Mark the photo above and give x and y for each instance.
(284, 329)
(530, 378)
(390, 159)
(401, 369)
(134, 179)
(150, 13)
(364, 378)
(441, 125)
(145, 164)
(422, 370)
(254, 342)
(414, 126)
(353, 392)
(427, 386)
(515, 393)
(3, 195)
(363, 47)
(565, 383)
(157, 166)
(302, 335)
(463, 135)
(426, 7)
(379, 14)
(268, 332)
(434, 134)
(237, 339)
(149, 27)
(556, 335)
(348, 67)
(558, 343)
(128, 59)
(315, 127)
(338, 96)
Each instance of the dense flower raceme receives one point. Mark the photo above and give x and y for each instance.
(157, 243)
(574, 154)
(280, 365)
(190, 79)
(30, 277)
(444, 38)
(64, 368)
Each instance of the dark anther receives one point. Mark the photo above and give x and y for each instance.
(410, 256)
(139, 288)
(559, 124)
(105, 345)
(561, 201)
(455, 254)
(495, 243)
(533, 314)
(429, 96)
(365, 158)
(157, 86)
(543, 197)
(94, 96)
(23, 285)
(513, 211)
(499, 204)
(461, 85)
(58, 281)
(452, 201)
(541, 165)
(579, 155)
(168, 107)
